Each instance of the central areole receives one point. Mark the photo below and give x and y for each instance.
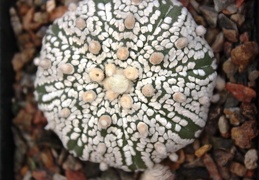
(118, 83)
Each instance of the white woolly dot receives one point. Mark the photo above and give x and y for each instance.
(148, 90)
(94, 47)
(110, 69)
(67, 68)
(220, 83)
(131, 73)
(215, 98)
(45, 63)
(36, 61)
(177, 128)
(103, 166)
(173, 157)
(89, 96)
(181, 43)
(136, 1)
(72, 7)
(111, 95)
(101, 148)
(200, 30)
(142, 129)
(64, 113)
(160, 148)
(105, 121)
(96, 74)
(122, 53)
(204, 100)
(126, 101)
(156, 58)
(80, 23)
(130, 21)
(179, 97)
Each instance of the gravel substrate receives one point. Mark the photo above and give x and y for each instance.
(227, 147)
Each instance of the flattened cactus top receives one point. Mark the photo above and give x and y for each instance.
(125, 83)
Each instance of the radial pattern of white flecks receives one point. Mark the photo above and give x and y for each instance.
(154, 126)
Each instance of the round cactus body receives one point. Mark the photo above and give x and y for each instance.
(125, 83)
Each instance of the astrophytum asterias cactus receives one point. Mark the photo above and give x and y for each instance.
(125, 83)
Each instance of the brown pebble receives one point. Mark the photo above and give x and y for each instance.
(238, 18)
(224, 172)
(244, 134)
(249, 110)
(75, 175)
(243, 55)
(211, 167)
(234, 115)
(238, 169)
(217, 46)
(72, 163)
(23, 120)
(230, 34)
(244, 37)
(27, 21)
(253, 75)
(57, 13)
(211, 35)
(231, 9)
(202, 150)
(209, 14)
(241, 92)
(39, 174)
(230, 69)
(227, 48)
(223, 157)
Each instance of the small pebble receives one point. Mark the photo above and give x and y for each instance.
(244, 134)
(202, 150)
(230, 69)
(71, 163)
(234, 115)
(222, 4)
(225, 22)
(211, 167)
(50, 5)
(249, 110)
(244, 54)
(220, 83)
(217, 46)
(253, 75)
(57, 13)
(76, 175)
(238, 18)
(231, 35)
(210, 15)
(223, 158)
(241, 92)
(251, 158)
(238, 169)
(223, 126)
